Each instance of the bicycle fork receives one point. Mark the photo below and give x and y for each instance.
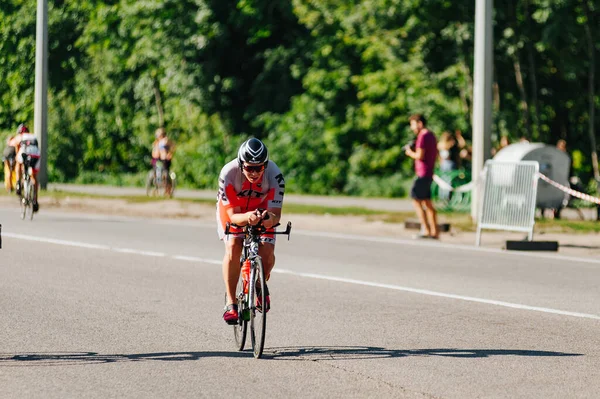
(252, 290)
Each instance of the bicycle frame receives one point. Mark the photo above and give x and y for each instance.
(158, 172)
(252, 235)
(27, 187)
(247, 297)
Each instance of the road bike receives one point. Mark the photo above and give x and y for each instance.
(160, 181)
(27, 187)
(251, 289)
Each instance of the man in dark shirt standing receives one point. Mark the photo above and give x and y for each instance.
(424, 154)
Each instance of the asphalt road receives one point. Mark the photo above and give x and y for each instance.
(95, 306)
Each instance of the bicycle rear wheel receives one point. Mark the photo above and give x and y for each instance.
(23, 199)
(23, 207)
(30, 195)
(151, 184)
(258, 318)
(240, 329)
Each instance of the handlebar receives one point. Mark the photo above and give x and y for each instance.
(259, 230)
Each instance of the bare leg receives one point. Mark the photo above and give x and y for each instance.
(267, 254)
(431, 218)
(35, 186)
(19, 173)
(7, 176)
(418, 205)
(231, 266)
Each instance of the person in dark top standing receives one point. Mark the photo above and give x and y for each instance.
(425, 154)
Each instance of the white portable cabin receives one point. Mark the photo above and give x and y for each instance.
(553, 163)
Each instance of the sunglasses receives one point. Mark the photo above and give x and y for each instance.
(257, 169)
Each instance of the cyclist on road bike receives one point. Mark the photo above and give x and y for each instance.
(27, 145)
(246, 184)
(10, 156)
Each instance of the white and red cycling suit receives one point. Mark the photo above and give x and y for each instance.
(28, 144)
(236, 191)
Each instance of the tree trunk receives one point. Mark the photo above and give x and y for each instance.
(531, 75)
(159, 107)
(591, 93)
(534, 89)
(465, 94)
(524, 104)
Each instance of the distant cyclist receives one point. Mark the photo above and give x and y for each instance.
(246, 184)
(27, 146)
(10, 156)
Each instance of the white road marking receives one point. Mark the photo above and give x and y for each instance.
(438, 294)
(137, 252)
(58, 242)
(196, 259)
(364, 238)
(314, 276)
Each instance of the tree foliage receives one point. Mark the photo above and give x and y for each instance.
(329, 84)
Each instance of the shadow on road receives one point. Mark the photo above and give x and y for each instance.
(580, 246)
(80, 358)
(288, 353)
(368, 352)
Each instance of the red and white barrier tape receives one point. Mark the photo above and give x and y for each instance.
(446, 186)
(467, 187)
(570, 191)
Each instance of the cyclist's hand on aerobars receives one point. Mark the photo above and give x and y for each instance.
(268, 220)
(253, 218)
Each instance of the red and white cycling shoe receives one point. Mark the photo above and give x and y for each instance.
(231, 314)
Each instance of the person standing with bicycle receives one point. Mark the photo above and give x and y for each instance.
(163, 149)
(246, 184)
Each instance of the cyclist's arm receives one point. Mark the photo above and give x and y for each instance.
(236, 216)
(275, 197)
(274, 217)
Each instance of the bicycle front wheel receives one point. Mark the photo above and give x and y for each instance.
(150, 184)
(258, 317)
(240, 329)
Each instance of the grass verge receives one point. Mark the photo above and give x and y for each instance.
(459, 221)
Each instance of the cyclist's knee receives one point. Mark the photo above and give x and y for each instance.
(233, 249)
(267, 253)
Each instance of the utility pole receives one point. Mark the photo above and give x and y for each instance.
(40, 111)
(482, 94)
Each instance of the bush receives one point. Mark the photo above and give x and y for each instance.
(122, 180)
(390, 186)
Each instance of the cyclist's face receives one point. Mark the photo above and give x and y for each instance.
(253, 172)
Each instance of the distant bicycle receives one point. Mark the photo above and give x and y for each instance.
(28, 189)
(250, 292)
(160, 182)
